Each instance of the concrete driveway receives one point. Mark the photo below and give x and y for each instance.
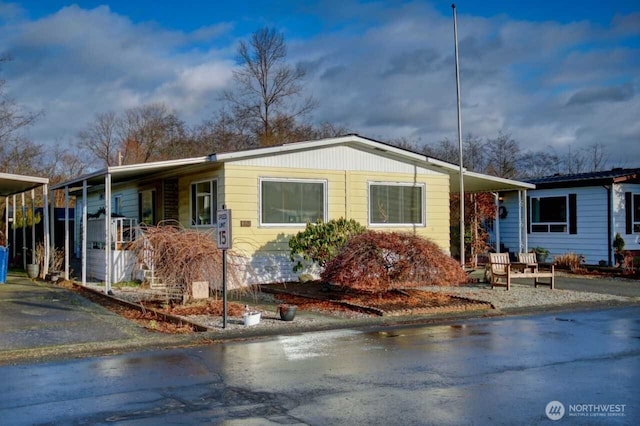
(38, 318)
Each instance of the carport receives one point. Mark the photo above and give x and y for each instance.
(12, 186)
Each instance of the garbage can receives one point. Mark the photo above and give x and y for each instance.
(4, 264)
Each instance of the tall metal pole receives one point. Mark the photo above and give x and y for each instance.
(455, 39)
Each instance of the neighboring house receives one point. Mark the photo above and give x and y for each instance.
(273, 193)
(578, 213)
(12, 186)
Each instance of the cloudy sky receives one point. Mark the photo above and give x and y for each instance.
(554, 74)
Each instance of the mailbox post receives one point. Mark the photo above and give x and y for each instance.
(223, 220)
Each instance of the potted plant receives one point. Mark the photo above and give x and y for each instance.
(251, 317)
(541, 254)
(37, 260)
(287, 312)
(618, 248)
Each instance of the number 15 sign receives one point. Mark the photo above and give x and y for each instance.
(223, 218)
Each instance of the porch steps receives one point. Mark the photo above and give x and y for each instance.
(155, 283)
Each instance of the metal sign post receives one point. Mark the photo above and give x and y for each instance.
(223, 220)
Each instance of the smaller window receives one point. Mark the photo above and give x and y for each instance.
(147, 207)
(116, 208)
(549, 214)
(204, 200)
(636, 212)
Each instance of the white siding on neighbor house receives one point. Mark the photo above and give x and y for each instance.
(591, 239)
(509, 225)
(632, 241)
(335, 158)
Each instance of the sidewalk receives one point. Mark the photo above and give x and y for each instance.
(39, 321)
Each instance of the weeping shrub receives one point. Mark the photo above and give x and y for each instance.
(381, 261)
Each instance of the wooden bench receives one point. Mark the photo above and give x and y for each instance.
(502, 271)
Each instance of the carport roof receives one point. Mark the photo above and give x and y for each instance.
(11, 184)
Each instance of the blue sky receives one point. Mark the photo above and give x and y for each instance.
(555, 75)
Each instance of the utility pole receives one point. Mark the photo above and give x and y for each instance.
(455, 39)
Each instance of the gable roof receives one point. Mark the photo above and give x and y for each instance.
(474, 182)
(616, 175)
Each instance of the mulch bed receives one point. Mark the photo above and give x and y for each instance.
(314, 295)
(309, 296)
(149, 318)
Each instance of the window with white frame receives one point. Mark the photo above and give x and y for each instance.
(549, 214)
(292, 201)
(636, 212)
(396, 204)
(204, 199)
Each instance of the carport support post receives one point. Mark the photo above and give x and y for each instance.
(496, 228)
(45, 211)
(6, 222)
(23, 225)
(107, 231)
(13, 230)
(33, 225)
(84, 232)
(66, 233)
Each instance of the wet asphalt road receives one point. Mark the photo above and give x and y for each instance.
(619, 287)
(484, 371)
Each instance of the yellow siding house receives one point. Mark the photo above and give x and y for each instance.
(274, 192)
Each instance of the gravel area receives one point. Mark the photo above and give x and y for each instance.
(525, 295)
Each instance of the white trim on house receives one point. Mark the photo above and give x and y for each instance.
(214, 203)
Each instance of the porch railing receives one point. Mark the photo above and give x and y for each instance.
(123, 232)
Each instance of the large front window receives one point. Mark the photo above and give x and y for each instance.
(292, 202)
(397, 204)
(549, 214)
(204, 200)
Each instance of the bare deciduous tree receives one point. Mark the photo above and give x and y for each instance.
(540, 163)
(502, 156)
(148, 133)
(445, 150)
(598, 155)
(17, 154)
(474, 154)
(139, 135)
(268, 90)
(101, 139)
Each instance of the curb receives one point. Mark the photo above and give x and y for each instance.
(158, 341)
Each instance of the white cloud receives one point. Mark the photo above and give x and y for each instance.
(76, 63)
(384, 71)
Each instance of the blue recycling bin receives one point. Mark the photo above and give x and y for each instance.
(4, 264)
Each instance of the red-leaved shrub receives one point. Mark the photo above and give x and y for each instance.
(381, 261)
